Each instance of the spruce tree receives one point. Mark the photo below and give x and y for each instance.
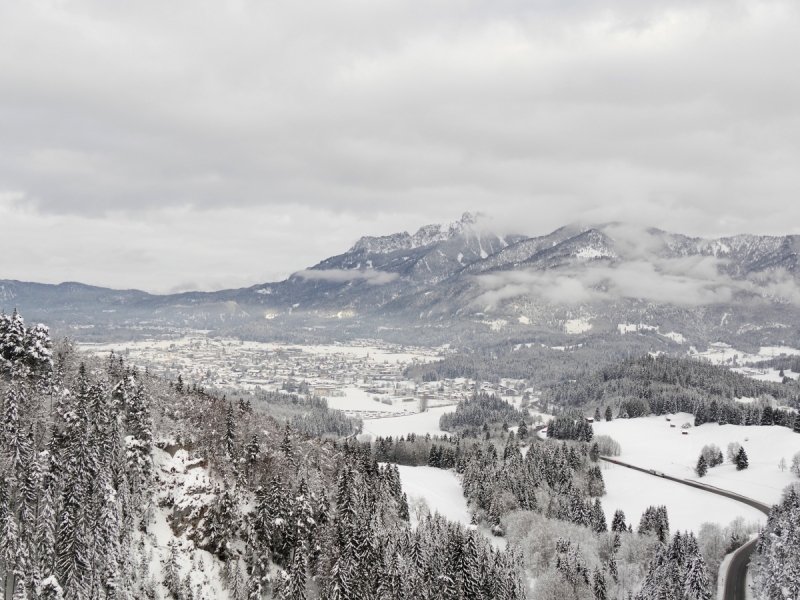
(594, 453)
(702, 467)
(172, 574)
(230, 432)
(618, 522)
(286, 444)
(609, 415)
(599, 585)
(741, 460)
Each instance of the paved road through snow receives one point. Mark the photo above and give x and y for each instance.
(735, 586)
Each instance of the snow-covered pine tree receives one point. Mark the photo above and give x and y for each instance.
(598, 517)
(702, 467)
(172, 572)
(221, 523)
(776, 561)
(12, 341)
(230, 432)
(741, 460)
(598, 585)
(618, 522)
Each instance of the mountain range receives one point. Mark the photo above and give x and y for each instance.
(463, 284)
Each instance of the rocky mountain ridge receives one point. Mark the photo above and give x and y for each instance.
(459, 282)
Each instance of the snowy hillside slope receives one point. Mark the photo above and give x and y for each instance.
(688, 508)
(651, 443)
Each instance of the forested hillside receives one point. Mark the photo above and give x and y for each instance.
(537, 364)
(116, 484)
(776, 562)
(480, 410)
(648, 385)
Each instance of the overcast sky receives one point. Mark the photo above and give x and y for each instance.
(200, 145)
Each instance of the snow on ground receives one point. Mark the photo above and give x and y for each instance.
(773, 375)
(575, 326)
(419, 423)
(688, 508)
(183, 483)
(675, 337)
(356, 399)
(441, 490)
(773, 351)
(720, 353)
(442, 493)
(651, 443)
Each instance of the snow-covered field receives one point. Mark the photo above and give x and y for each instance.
(441, 490)
(356, 399)
(688, 508)
(576, 326)
(720, 353)
(419, 423)
(651, 443)
(773, 375)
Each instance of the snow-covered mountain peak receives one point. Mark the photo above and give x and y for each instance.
(425, 236)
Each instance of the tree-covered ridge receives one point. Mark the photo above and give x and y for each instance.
(781, 363)
(646, 376)
(538, 364)
(664, 385)
(478, 410)
(776, 562)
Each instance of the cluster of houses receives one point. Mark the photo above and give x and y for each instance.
(375, 368)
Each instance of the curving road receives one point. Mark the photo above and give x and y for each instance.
(735, 581)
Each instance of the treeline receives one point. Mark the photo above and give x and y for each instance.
(556, 480)
(649, 377)
(664, 385)
(559, 483)
(780, 363)
(776, 561)
(362, 547)
(309, 414)
(321, 421)
(568, 427)
(478, 410)
(442, 452)
(537, 364)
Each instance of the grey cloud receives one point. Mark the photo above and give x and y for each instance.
(339, 106)
(372, 277)
(389, 115)
(689, 281)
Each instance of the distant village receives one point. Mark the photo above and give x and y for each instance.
(364, 378)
